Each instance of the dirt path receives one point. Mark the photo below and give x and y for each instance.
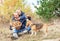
(53, 35)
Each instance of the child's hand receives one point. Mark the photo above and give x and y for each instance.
(17, 19)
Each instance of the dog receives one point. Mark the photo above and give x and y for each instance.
(37, 27)
(16, 24)
(34, 27)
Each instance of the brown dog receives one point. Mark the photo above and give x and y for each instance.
(34, 27)
(17, 24)
(37, 27)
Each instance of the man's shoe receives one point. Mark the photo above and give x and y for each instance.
(25, 31)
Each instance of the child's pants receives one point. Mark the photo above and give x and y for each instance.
(21, 30)
(15, 32)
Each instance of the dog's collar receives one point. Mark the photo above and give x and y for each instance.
(27, 19)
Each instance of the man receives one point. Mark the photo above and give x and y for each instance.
(22, 19)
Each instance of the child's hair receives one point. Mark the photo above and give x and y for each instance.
(28, 17)
(15, 15)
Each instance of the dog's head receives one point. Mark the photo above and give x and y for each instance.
(29, 22)
(28, 17)
(17, 24)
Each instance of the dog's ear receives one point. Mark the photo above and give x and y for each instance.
(28, 17)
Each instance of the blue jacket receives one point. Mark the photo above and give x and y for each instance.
(23, 20)
(22, 17)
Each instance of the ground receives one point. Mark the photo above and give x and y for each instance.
(53, 34)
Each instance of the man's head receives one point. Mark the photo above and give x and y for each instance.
(18, 11)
